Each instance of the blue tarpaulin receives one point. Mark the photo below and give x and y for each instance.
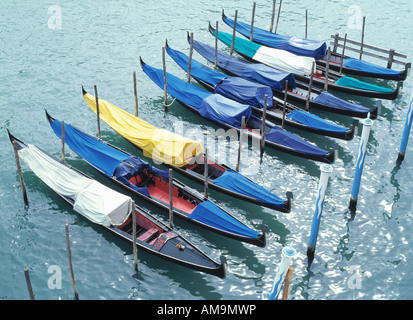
(369, 67)
(209, 105)
(245, 91)
(298, 46)
(313, 121)
(214, 216)
(252, 71)
(236, 182)
(330, 100)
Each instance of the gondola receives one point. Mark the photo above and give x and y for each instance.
(297, 92)
(151, 184)
(317, 50)
(185, 156)
(113, 211)
(228, 114)
(301, 67)
(252, 93)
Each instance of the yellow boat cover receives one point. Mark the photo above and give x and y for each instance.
(161, 145)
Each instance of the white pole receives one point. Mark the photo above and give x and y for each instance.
(287, 255)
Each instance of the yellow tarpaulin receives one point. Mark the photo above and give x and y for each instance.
(161, 145)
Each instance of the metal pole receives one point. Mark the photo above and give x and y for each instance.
(216, 46)
(97, 111)
(406, 131)
(19, 170)
(29, 284)
(135, 91)
(252, 21)
(326, 169)
(285, 104)
(264, 117)
(233, 32)
(241, 138)
(165, 86)
(327, 69)
(367, 123)
(69, 254)
(273, 14)
(191, 49)
(310, 87)
(171, 207)
(287, 255)
(342, 53)
(278, 16)
(206, 174)
(362, 37)
(135, 249)
(63, 141)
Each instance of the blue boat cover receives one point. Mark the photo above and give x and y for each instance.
(214, 216)
(245, 91)
(369, 67)
(313, 121)
(238, 183)
(327, 99)
(211, 106)
(252, 71)
(298, 46)
(235, 88)
(111, 161)
(361, 85)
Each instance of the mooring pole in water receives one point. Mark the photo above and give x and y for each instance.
(241, 138)
(287, 283)
(327, 69)
(216, 46)
(264, 117)
(63, 141)
(233, 32)
(287, 255)
(342, 53)
(29, 284)
(252, 21)
(367, 123)
(97, 111)
(19, 170)
(206, 173)
(362, 37)
(326, 170)
(285, 104)
(171, 204)
(306, 23)
(273, 14)
(69, 254)
(191, 50)
(135, 92)
(278, 16)
(310, 88)
(406, 131)
(165, 86)
(135, 249)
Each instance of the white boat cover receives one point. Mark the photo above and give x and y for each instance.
(284, 60)
(93, 200)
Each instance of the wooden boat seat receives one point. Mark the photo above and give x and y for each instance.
(148, 235)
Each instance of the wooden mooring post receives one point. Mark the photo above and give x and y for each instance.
(135, 92)
(171, 204)
(274, 2)
(233, 32)
(69, 254)
(19, 170)
(29, 284)
(134, 246)
(241, 140)
(252, 21)
(97, 112)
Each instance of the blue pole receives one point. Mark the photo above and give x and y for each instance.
(367, 123)
(326, 169)
(287, 254)
(406, 131)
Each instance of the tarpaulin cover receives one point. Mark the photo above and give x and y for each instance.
(299, 46)
(361, 85)
(330, 100)
(161, 145)
(198, 70)
(362, 65)
(212, 215)
(313, 121)
(236, 182)
(224, 110)
(93, 200)
(290, 140)
(245, 91)
(276, 58)
(257, 72)
(209, 105)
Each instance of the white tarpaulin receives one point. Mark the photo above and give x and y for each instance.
(93, 200)
(284, 60)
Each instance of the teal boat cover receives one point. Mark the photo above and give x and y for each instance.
(361, 85)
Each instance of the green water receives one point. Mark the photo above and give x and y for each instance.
(99, 43)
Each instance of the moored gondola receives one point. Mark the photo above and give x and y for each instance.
(151, 184)
(113, 211)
